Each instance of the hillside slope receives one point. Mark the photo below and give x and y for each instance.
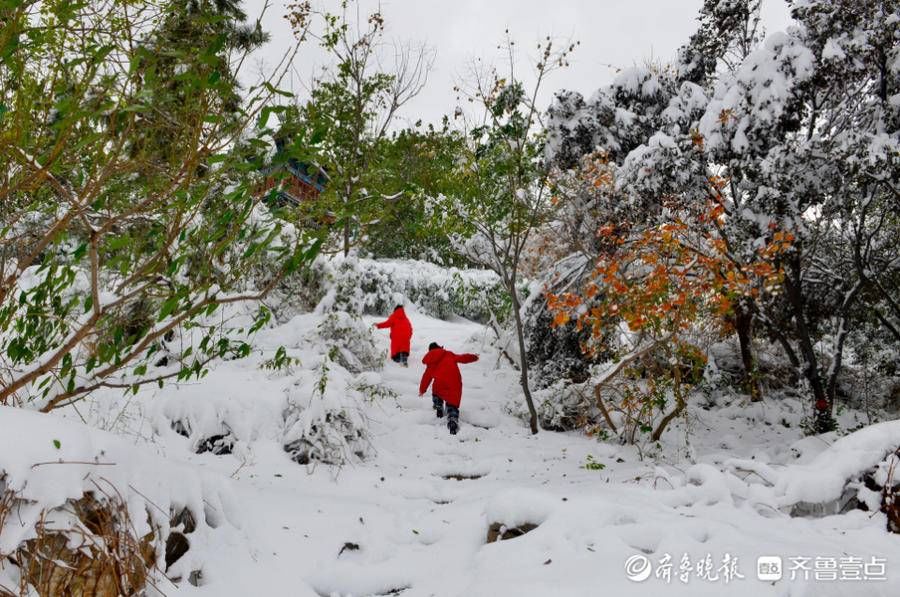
(412, 518)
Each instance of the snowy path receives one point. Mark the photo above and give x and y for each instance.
(421, 531)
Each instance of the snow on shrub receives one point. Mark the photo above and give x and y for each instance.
(858, 471)
(322, 422)
(84, 547)
(825, 477)
(311, 404)
(564, 406)
(351, 340)
(83, 509)
(369, 286)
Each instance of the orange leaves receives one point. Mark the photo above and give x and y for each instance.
(697, 139)
(606, 230)
(561, 318)
(596, 171)
(668, 278)
(718, 182)
(562, 307)
(781, 243)
(602, 180)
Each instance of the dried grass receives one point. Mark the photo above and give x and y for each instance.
(95, 552)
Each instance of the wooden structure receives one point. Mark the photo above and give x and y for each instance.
(297, 182)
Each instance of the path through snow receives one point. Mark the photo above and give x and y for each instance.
(421, 532)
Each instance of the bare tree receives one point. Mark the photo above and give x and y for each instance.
(355, 103)
(508, 198)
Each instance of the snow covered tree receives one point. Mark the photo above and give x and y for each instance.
(728, 31)
(659, 296)
(807, 130)
(119, 250)
(797, 136)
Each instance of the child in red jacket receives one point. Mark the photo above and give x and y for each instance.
(401, 334)
(441, 367)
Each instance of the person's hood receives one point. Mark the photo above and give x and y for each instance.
(434, 356)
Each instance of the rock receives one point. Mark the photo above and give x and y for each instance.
(196, 577)
(863, 492)
(182, 428)
(462, 477)
(184, 519)
(500, 532)
(348, 546)
(846, 502)
(217, 444)
(176, 546)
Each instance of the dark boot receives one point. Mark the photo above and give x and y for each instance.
(438, 406)
(452, 419)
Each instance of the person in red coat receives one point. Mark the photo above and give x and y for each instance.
(441, 367)
(401, 334)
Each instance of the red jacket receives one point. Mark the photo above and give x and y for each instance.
(401, 331)
(441, 366)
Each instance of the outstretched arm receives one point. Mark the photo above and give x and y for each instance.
(466, 358)
(386, 323)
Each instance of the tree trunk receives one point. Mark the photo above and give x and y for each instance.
(602, 406)
(523, 357)
(743, 324)
(823, 420)
(347, 207)
(680, 405)
(346, 238)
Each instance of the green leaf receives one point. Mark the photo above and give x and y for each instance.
(317, 136)
(57, 444)
(118, 242)
(168, 307)
(80, 252)
(272, 89)
(264, 117)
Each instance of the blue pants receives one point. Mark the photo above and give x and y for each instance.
(452, 411)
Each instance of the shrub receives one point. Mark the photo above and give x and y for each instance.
(325, 426)
(368, 286)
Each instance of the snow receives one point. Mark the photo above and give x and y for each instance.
(46, 460)
(824, 478)
(419, 503)
(833, 50)
(751, 102)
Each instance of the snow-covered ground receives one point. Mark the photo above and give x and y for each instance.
(412, 518)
